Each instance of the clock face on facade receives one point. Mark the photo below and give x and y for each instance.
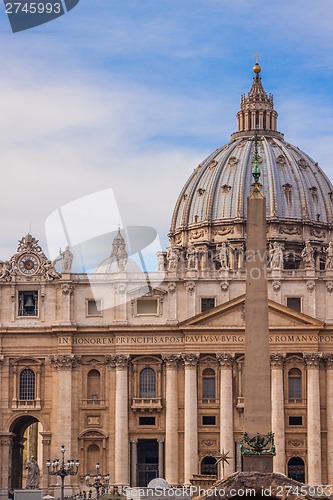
(28, 264)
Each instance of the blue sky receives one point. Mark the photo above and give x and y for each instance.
(133, 95)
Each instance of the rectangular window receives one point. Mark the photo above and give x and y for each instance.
(208, 387)
(208, 420)
(28, 303)
(207, 303)
(294, 303)
(146, 420)
(295, 420)
(94, 307)
(147, 306)
(294, 388)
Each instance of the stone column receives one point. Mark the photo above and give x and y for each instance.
(190, 285)
(227, 444)
(121, 421)
(311, 295)
(66, 291)
(2, 399)
(191, 417)
(171, 420)
(313, 430)
(329, 297)
(120, 302)
(172, 303)
(46, 443)
(134, 461)
(278, 426)
(6, 443)
(160, 457)
(64, 363)
(329, 416)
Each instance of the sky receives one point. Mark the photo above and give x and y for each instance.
(131, 96)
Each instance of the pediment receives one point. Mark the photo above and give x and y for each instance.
(232, 314)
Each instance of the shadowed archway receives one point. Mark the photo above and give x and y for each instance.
(19, 428)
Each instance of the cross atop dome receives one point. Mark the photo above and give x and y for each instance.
(257, 107)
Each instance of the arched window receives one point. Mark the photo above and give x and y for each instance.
(27, 385)
(147, 383)
(294, 384)
(209, 466)
(93, 386)
(296, 469)
(208, 384)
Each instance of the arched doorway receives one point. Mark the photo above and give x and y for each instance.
(26, 443)
(296, 469)
(208, 466)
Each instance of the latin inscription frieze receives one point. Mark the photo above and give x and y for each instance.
(188, 339)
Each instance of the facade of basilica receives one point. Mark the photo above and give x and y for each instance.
(146, 377)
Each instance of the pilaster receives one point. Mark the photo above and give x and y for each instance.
(278, 424)
(329, 415)
(313, 429)
(191, 417)
(227, 444)
(121, 363)
(171, 419)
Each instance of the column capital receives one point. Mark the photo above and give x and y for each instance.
(225, 359)
(312, 359)
(171, 360)
(134, 440)
(67, 288)
(65, 361)
(190, 360)
(118, 361)
(190, 285)
(277, 360)
(328, 358)
(120, 288)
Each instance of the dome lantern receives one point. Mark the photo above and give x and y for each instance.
(257, 108)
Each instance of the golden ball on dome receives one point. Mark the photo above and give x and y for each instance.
(256, 68)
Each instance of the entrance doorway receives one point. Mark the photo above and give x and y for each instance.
(147, 461)
(26, 443)
(296, 469)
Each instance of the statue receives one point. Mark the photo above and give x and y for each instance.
(172, 258)
(33, 474)
(275, 260)
(307, 255)
(122, 258)
(67, 260)
(5, 270)
(191, 258)
(48, 270)
(329, 257)
(160, 262)
(223, 254)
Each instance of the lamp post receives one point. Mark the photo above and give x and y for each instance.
(62, 469)
(98, 478)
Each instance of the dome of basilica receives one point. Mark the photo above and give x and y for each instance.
(212, 206)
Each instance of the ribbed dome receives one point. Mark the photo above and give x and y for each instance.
(293, 184)
(296, 189)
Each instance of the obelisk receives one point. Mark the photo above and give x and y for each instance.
(257, 447)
